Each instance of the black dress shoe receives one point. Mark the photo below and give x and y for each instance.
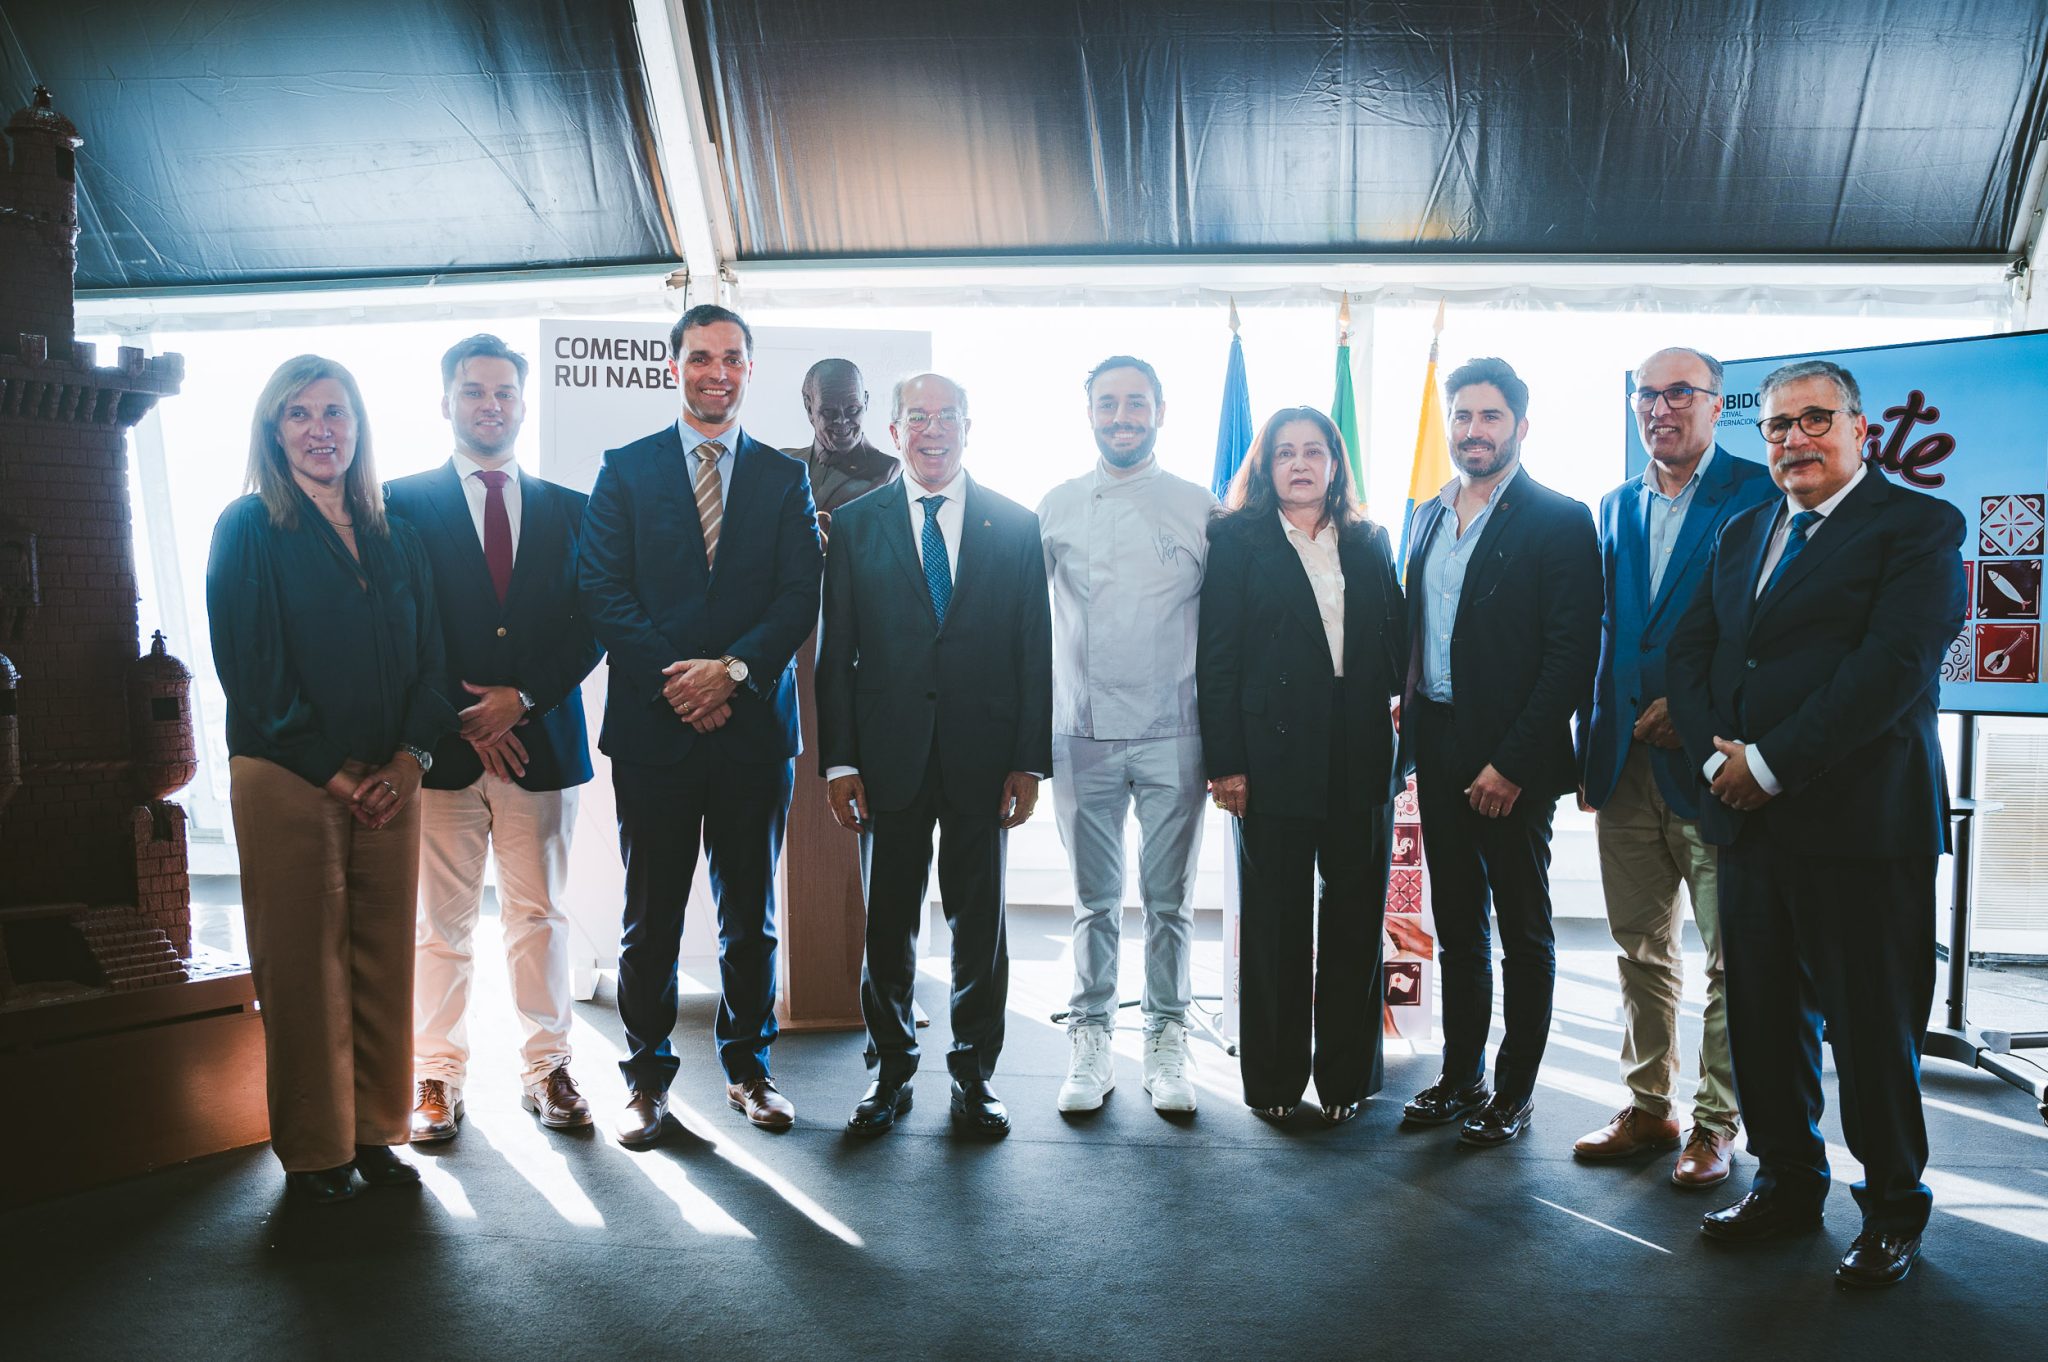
(877, 1112)
(382, 1168)
(1878, 1258)
(1759, 1216)
(1500, 1120)
(1439, 1104)
(979, 1109)
(324, 1187)
(1337, 1113)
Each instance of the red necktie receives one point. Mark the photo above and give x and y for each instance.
(497, 530)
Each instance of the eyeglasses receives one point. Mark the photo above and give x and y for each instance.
(1815, 421)
(917, 420)
(1678, 396)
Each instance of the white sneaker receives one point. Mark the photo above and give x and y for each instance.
(1091, 1072)
(1167, 1062)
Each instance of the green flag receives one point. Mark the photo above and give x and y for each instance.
(1344, 413)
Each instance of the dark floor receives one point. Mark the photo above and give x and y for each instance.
(1121, 1234)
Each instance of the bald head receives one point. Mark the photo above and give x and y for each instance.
(835, 399)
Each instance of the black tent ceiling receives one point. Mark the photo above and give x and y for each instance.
(234, 142)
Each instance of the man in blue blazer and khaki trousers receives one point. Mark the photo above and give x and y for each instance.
(1655, 535)
(1805, 679)
(701, 573)
(503, 547)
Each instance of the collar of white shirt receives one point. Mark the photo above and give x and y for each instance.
(1105, 476)
(954, 492)
(467, 467)
(1827, 508)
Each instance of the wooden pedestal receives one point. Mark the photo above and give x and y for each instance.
(128, 1082)
(824, 919)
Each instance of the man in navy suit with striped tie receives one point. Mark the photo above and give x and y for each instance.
(1804, 681)
(701, 572)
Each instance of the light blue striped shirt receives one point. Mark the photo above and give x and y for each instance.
(1443, 583)
(1664, 516)
(691, 438)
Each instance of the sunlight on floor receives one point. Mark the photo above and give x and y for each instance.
(525, 1145)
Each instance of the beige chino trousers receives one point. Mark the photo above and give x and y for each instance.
(329, 908)
(1646, 853)
(527, 832)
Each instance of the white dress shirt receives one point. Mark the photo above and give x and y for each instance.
(1125, 555)
(1781, 532)
(474, 491)
(1318, 554)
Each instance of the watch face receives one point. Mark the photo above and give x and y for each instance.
(736, 669)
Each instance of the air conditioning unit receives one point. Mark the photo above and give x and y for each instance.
(2009, 877)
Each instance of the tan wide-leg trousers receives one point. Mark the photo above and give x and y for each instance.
(1646, 853)
(329, 906)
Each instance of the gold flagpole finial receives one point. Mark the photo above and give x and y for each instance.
(1438, 328)
(1233, 314)
(1344, 320)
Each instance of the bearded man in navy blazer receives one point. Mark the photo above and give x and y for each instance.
(1503, 593)
(701, 575)
(934, 711)
(503, 547)
(1804, 682)
(1656, 531)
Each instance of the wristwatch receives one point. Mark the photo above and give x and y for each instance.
(420, 755)
(525, 700)
(735, 669)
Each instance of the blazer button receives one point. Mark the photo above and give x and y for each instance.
(501, 632)
(1646, 645)
(1751, 664)
(1281, 729)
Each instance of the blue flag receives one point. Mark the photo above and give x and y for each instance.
(1234, 423)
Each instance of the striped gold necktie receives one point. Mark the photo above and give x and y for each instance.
(710, 507)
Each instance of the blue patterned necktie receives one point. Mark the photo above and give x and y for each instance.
(1802, 525)
(938, 574)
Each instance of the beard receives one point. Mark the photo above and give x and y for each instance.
(1503, 455)
(1125, 458)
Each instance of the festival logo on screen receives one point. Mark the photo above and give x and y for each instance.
(1909, 462)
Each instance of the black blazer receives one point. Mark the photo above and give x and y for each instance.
(891, 683)
(1835, 674)
(1526, 638)
(652, 601)
(1262, 668)
(537, 640)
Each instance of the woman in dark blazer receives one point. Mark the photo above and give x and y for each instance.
(327, 646)
(1300, 750)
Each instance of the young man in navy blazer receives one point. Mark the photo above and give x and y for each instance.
(503, 547)
(1503, 591)
(1805, 678)
(700, 572)
(1656, 531)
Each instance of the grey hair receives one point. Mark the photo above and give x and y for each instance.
(896, 393)
(1713, 365)
(1844, 381)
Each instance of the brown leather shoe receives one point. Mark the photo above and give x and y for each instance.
(555, 1100)
(1632, 1131)
(436, 1111)
(1706, 1161)
(640, 1123)
(764, 1106)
